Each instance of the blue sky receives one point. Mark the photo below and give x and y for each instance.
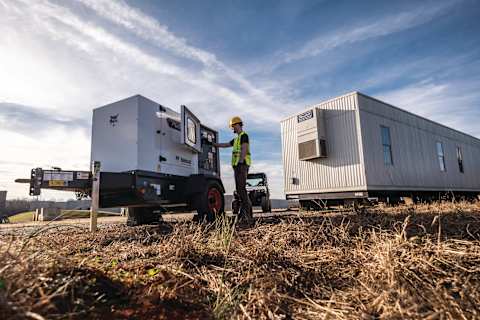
(261, 60)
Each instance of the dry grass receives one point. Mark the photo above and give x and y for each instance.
(381, 263)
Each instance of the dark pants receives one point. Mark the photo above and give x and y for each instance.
(241, 172)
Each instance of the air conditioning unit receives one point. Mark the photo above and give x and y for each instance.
(311, 137)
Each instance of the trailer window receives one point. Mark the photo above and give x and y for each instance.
(387, 146)
(441, 156)
(460, 159)
(191, 131)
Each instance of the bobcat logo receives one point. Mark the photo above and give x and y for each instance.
(113, 120)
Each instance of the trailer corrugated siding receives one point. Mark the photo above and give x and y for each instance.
(343, 169)
(415, 162)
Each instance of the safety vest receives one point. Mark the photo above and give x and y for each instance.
(237, 149)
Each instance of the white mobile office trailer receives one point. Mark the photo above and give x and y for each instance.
(356, 147)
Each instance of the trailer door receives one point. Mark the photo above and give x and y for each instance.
(190, 130)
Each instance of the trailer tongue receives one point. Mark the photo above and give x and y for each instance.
(151, 158)
(79, 182)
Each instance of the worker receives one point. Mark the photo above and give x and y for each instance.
(241, 161)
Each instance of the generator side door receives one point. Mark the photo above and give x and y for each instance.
(190, 130)
(209, 158)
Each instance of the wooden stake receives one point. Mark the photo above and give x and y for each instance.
(95, 195)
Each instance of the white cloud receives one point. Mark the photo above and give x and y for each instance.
(385, 26)
(209, 80)
(55, 60)
(19, 119)
(205, 87)
(62, 147)
(454, 103)
(150, 29)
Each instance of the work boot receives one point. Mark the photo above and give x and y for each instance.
(246, 218)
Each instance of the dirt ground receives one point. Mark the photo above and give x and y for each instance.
(406, 262)
(118, 219)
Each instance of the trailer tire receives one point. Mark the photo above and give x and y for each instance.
(305, 205)
(210, 204)
(266, 204)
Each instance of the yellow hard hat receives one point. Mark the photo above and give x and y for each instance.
(235, 120)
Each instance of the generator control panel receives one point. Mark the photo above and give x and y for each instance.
(208, 157)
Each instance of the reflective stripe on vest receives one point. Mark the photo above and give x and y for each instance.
(237, 149)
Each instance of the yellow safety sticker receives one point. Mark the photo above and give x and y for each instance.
(57, 183)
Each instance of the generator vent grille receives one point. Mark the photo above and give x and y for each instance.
(307, 150)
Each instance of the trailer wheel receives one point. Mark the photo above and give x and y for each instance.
(210, 204)
(305, 205)
(266, 204)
